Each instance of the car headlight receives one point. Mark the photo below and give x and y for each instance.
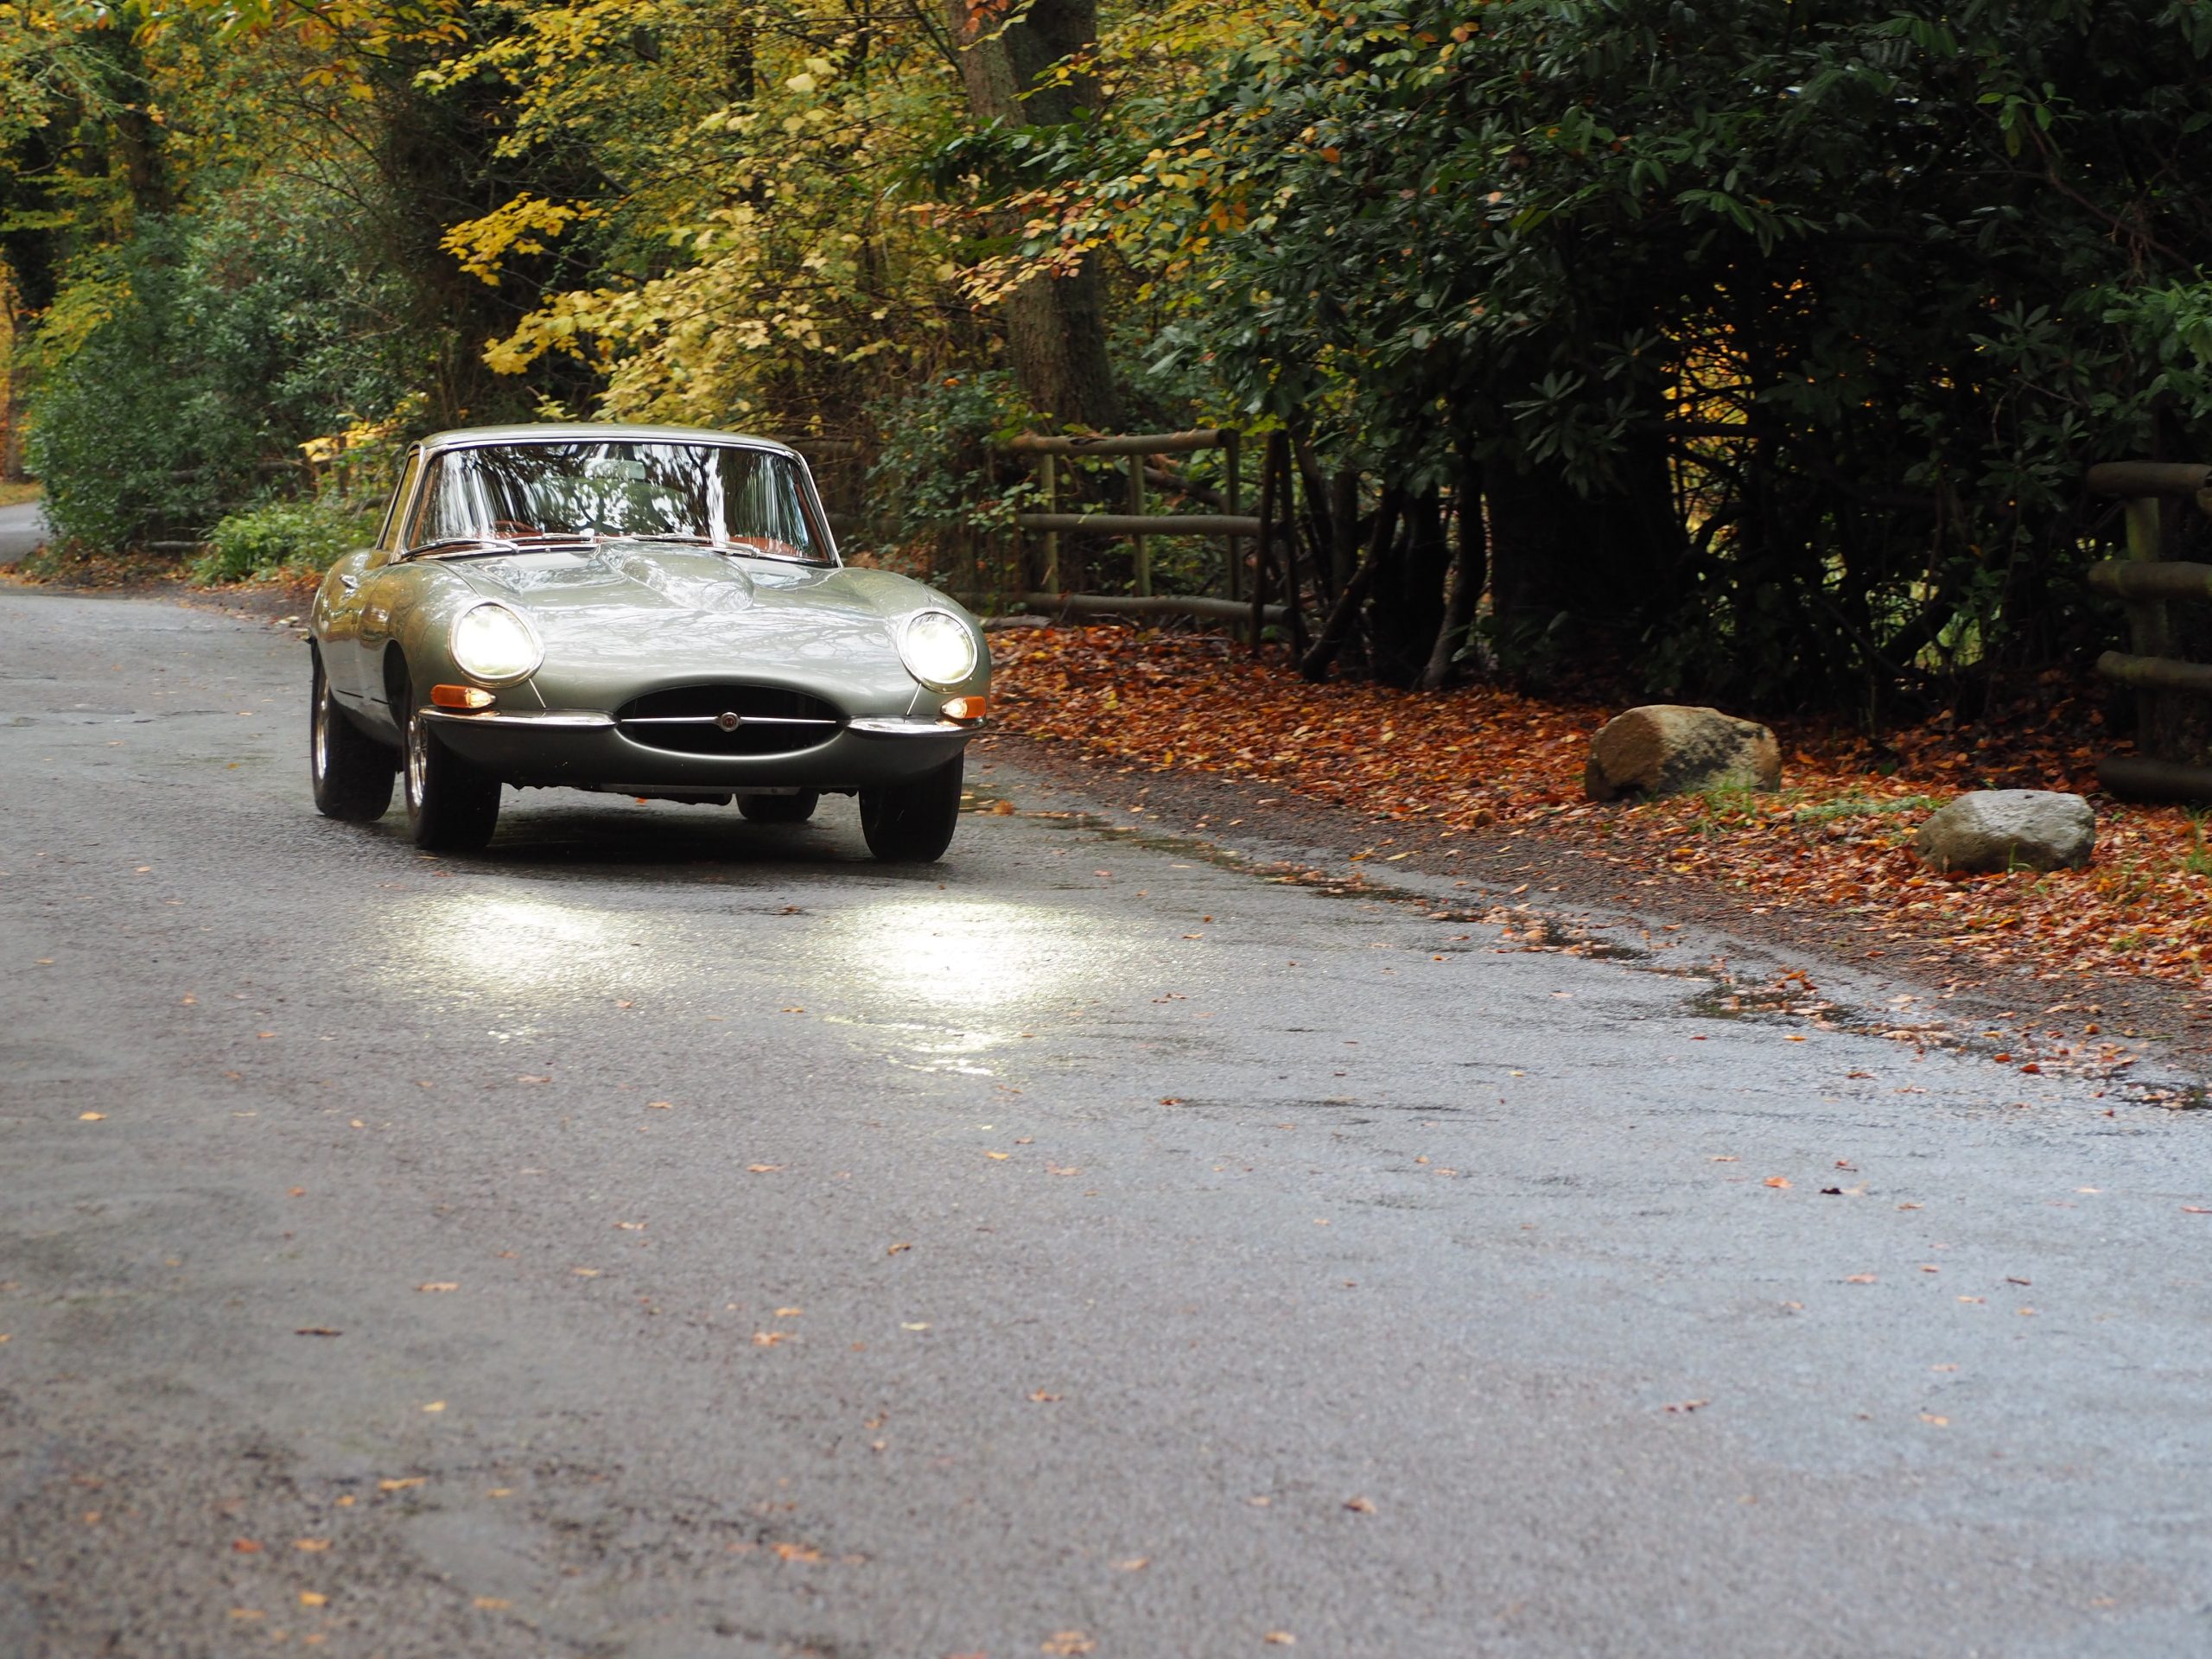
(936, 648)
(490, 642)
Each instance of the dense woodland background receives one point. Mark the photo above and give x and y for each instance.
(1746, 350)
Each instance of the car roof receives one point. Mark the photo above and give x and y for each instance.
(601, 431)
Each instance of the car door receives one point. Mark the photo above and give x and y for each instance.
(377, 588)
(340, 603)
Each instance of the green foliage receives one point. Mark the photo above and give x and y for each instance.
(180, 366)
(310, 534)
(1775, 339)
(1847, 299)
(935, 484)
(754, 255)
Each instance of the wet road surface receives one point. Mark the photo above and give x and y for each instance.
(665, 1235)
(22, 531)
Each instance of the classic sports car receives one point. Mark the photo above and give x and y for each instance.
(644, 611)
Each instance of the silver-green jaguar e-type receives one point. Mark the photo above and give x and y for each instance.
(645, 611)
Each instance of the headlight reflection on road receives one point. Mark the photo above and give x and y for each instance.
(509, 944)
(968, 955)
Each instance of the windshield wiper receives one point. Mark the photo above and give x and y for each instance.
(685, 536)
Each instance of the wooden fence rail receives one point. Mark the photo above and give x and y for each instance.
(1202, 604)
(2172, 765)
(1234, 526)
(1136, 524)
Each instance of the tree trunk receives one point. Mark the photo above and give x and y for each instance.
(1409, 598)
(1314, 665)
(1463, 588)
(135, 139)
(1319, 521)
(1055, 326)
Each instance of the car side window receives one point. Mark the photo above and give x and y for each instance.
(388, 538)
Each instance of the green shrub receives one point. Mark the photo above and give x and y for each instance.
(307, 535)
(936, 485)
(175, 369)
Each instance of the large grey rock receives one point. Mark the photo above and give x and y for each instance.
(1672, 749)
(2009, 830)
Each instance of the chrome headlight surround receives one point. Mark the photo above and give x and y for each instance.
(937, 649)
(495, 644)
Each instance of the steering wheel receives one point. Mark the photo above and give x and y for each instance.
(511, 528)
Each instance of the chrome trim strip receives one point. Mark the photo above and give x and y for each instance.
(525, 719)
(910, 726)
(717, 720)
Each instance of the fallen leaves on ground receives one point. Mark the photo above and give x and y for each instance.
(1484, 757)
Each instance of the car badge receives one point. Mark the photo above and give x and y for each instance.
(730, 723)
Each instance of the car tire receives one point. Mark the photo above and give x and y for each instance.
(351, 772)
(779, 808)
(912, 823)
(452, 806)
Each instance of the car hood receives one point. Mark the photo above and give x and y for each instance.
(629, 578)
(631, 618)
(570, 595)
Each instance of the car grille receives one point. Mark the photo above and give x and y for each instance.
(729, 719)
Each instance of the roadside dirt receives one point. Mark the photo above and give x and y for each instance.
(2027, 964)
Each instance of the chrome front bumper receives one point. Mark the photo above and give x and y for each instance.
(540, 719)
(554, 748)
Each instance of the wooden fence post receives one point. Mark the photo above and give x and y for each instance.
(1232, 448)
(2170, 732)
(1142, 547)
(1269, 508)
(1049, 465)
(1286, 495)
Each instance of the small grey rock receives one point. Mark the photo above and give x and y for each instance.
(1672, 749)
(2009, 830)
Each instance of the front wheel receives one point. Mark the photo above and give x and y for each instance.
(912, 823)
(350, 770)
(452, 806)
(779, 808)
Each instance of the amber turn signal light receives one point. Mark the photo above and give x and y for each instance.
(461, 696)
(967, 708)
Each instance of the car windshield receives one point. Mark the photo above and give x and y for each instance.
(501, 496)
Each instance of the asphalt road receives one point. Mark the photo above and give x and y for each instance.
(663, 1236)
(22, 531)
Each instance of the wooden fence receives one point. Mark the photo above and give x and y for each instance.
(1052, 574)
(2173, 695)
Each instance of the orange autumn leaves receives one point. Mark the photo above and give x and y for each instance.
(1484, 762)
